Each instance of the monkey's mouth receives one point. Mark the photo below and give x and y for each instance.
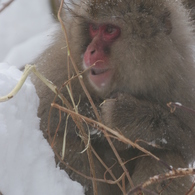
(100, 77)
(98, 71)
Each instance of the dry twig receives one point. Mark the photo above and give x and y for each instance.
(6, 5)
(180, 172)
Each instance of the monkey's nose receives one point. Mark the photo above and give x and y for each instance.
(92, 52)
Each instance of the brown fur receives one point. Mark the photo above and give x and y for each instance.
(154, 65)
(190, 4)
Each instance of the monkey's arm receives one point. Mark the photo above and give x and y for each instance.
(147, 167)
(155, 129)
(144, 121)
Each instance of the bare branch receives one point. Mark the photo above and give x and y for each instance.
(6, 5)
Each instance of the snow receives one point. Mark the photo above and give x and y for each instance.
(26, 159)
(21, 21)
(27, 51)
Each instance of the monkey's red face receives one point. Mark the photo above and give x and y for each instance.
(97, 54)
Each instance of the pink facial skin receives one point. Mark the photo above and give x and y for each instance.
(97, 53)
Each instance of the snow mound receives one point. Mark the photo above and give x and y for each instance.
(26, 159)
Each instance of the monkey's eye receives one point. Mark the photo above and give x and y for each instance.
(93, 29)
(111, 32)
(110, 29)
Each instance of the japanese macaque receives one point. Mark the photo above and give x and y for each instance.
(137, 56)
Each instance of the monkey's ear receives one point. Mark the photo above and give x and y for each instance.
(166, 21)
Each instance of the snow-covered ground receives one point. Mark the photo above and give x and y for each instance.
(26, 159)
(21, 21)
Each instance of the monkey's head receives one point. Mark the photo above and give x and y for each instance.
(130, 44)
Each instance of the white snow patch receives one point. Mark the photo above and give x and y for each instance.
(27, 51)
(177, 103)
(26, 159)
(22, 20)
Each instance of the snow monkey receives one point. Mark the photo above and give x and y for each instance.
(135, 56)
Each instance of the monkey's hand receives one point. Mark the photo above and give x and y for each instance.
(141, 120)
(116, 111)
